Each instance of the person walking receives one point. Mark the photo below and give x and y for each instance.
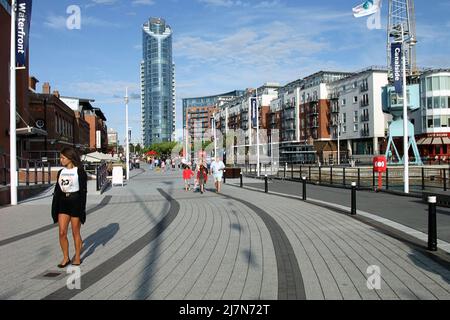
(69, 203)
(217, 167)
(187, 175)
(202, 177)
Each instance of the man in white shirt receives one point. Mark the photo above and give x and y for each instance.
(217, 167)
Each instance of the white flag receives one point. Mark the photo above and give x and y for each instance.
(367, 8)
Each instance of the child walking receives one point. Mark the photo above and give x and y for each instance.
(187, 175)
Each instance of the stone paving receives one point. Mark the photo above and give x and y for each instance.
(152, 240)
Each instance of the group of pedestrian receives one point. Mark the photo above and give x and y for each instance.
(201, 172)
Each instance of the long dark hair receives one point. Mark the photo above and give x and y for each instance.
(72, 155)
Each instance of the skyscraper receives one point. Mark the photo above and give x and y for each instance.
(157, 83)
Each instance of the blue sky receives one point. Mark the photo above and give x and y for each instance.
(218, 45)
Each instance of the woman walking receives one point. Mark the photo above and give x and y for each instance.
(69, 203)
(202, 177)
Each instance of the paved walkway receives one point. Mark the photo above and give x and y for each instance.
(152, 240)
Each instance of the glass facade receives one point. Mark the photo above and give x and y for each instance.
(157, 73)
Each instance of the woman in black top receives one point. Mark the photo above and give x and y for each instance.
(69, 203)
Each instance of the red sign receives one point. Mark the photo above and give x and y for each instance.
(379, 164)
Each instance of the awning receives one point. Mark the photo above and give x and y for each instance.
(30, 131)
(420, 141)
(437, 141)
(426, 141)
(446, 140)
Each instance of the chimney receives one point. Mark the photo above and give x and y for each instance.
(46, 88)
(56, 93)
(32, 81)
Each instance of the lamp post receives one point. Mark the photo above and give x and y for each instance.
(127, 142)
(12, 111)
(405, 118)
(339, 140)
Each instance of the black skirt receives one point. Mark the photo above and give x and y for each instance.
(70, 204)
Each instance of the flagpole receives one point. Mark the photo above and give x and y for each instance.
(127, 156)
(12, 110)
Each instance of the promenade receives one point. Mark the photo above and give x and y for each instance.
(152, 240)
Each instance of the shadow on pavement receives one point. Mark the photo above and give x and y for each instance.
(428, 266)
(101, 237)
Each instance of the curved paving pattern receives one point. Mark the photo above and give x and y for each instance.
(240, 245)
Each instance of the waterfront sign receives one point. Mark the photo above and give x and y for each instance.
(23, 18)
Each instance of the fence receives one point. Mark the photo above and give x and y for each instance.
(29, 171)
(420, 178)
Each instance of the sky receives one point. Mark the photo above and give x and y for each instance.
(218, 46)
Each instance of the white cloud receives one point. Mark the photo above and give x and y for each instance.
(223, 3)
(59, 22)
(144, 2)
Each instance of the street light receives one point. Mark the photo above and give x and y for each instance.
(127, 157)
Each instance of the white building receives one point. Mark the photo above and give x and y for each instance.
(357, 102)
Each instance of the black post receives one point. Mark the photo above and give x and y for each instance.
(242, 183)
(445, 180)
(304, 188)
(292, 171)
(387, 178)
(331, 175)
(27, 178)
(320, 175)
(423, 178)
(49, 173)
(359, 177)
(432, 232)
(353, 210)
(43, 173)
(35, 172)
(373, 178)
(343, 179)
(266, 186)
(285, 166)
(225, 176)
(309, 173)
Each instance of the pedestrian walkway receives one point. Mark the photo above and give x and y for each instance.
(152, 240)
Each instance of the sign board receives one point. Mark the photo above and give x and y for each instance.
(379, 164)
(98, 139)
(396, 63)
(117, 176)
(254, 111)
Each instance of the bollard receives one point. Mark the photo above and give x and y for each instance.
(225, 176)
(304, 188)
(353, 210)
(266, 186)
(242, 183)
(432, 232)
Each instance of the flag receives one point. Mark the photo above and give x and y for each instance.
(367, 8)
(23, 18)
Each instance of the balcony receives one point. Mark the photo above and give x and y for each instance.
(365, 133)
(364, 117)
(364, 87)
(364, 103)
(333, 96)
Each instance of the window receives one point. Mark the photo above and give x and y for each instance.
(429, 103)
(344, 118)
(355, 84)
(355, 99)
(344, 129)
(436, 85)
(344, 102)
(429, 84)
(429, 122)
(436, 102)
(355, 127)
(355, 116)
(437, 122)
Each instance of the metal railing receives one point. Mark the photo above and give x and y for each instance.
(29, 171)
(421, 178)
